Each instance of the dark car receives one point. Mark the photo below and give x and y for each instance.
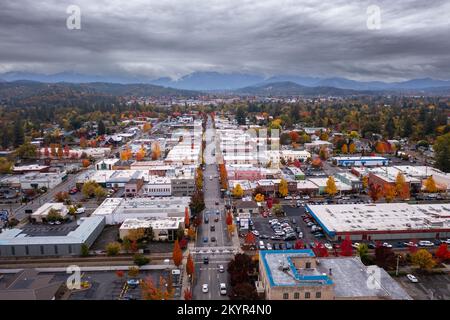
(371, 245)
(213, 228)
(213, 239)
(281, 246)
(205, 260)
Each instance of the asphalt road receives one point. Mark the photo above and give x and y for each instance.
(209, 273)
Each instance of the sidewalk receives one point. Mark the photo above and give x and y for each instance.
(185, 284)
(96, 268)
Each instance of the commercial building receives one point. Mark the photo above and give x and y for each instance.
(41, 214)
(106, 164)
(163, 228)
(158, 187)
(300, 275)
(117, 210)
(360, 161)
(16, 243)
(387, 176)
(349, 179)
(321, 183)
(317, 145)
(383, 221)
(28, 284)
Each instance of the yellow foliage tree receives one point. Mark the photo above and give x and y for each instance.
(146, 127)
(430, 185)
(237, 191)
(283, 188)
(156, 150)
(331, 188)
(352, 148)
(389, 193)
(259, 197)
(344, 148)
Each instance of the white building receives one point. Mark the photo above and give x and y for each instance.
(117, 210)
(41, 214)
(158, 187)
(163, 228)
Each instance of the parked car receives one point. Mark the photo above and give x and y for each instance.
(371, 245)
(355, 245)
(213, 239)
(387, 245)
(73, 190)
(300, 235)
(328, 246)
(412, 278)
(288, 245)
(269, 246)
(133, 283)
(294, 221)
(80, 210)
(256, 233)
(426, 243)
(205, 260)
(410, 244)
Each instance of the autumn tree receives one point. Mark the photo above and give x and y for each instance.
(330, 187)
(156, 150)
(283, 188)
(140, 155)
(430, 185)
(190, 266)
(346, 247)
(187, 294)
(237, 191)
(177, 254)
(250, 239)
(344, 148)
(442, 253)
(146, 127)
(375, 192)
(389, 193)
(423, 259)
(352, 148)
(299, 244)
(186, 217)
(136, 234)
(259, 197)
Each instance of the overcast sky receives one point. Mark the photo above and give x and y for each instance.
(175, 37)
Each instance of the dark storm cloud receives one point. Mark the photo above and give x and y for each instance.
(176, 37)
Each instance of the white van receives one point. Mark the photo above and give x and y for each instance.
(261, 245)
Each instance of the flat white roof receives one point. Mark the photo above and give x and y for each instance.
(342, 218)
(154, 223)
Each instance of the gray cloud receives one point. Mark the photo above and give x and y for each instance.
(176, 37)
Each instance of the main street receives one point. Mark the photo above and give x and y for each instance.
(219, 251)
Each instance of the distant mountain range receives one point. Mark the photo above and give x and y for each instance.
(214, 81)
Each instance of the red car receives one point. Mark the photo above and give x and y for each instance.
(73, 191)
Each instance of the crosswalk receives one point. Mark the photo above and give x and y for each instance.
(214, 250)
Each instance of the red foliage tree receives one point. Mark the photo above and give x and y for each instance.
(183, 243)
(269, 203)
(375, 192)
(119, 274)
(229, 219)
(134, 246)
(250, 239)
(66, 151)
(442, 253)
(297, 163)
(177, 254)
(187, 294)
(190, 265)
(346, 247)
(320, 250)
(299, 244)
(186, 218)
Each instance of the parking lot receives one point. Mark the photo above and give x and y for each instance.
(429, 287)
(107, 286)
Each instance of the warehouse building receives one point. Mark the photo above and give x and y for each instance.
(117, 210)
(383, 221)
(17, 243)
(163, 228)
(360, 161)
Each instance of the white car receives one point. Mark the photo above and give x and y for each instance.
(221, 268)
(328, 246)
(269, 246)
(387, 245)
(412, 278)
(256, 233)
(426, 243)
(288, 198)
(356, 245)
(205, 288)
(81, 210)
(223, 289)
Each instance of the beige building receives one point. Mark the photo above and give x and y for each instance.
(300, 275)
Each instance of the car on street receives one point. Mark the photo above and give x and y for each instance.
(276, 238)
(205, 288)
(216, 219)
(80, 210)
(412, 278)
(300, 235)
(288, 198)
(256, 233)
(133, 283)
(319, 235)
(371, 245)
(294, 221)
(205, 260)
(213, 239)
(73, 191)
(387, 245)
(221, 268)
(205, 239)
(223, 289)
(217, 203)
(212, 228)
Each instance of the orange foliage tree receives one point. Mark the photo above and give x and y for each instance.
(177, 254)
